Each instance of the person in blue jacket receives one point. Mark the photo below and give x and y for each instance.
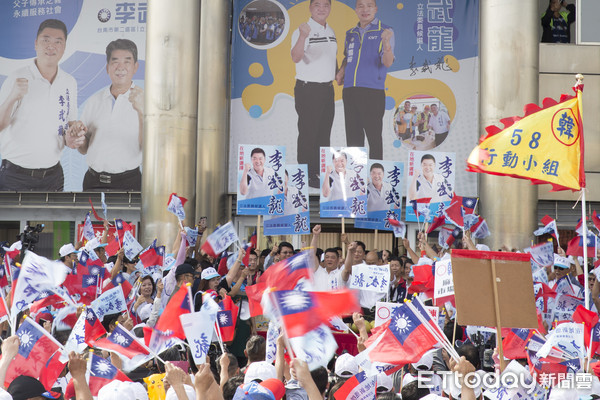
(369, 52)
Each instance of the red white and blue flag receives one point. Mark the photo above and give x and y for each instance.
(359, 387)
(402, 339)
(251, 247)
(454, 213)
(421, 206)
(456, 234)
(175, 205)
(437, 222)
(549, 227)
(93, 327)
(226, 318)
(38, 355)
(118, 280)
(515, 343)
(123, 342)
(180, 303)
(101, 372)
(301, 312)
(153, 255)
(122, 227)
(398, 227)
(285, 274)
(575, 246)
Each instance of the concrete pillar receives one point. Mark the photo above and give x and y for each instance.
(169, 163)
(213, 111)
(509, 80)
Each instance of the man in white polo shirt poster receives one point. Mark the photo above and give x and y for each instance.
(314, 49)
(38, 102)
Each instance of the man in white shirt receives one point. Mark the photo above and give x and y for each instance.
(429, 184)
(114, 125)
(329, 276)
(439, 121)
(378, 190)
(258, 180)
(341, 183)
(314, 49)
(38, 102)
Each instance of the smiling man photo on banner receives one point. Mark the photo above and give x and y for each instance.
(432, 177)
(314, 49)
(37, 104)
(113, 125)
(260, 181)
(369, 52)
(384, 195)
(343, 187)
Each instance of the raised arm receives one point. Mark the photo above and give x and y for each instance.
(313, 245)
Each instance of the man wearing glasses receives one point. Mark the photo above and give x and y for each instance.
(37, 104)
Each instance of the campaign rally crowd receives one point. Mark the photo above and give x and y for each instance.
(111, 319)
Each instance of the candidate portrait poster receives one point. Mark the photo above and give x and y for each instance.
(435, 66)
(430, 183)
(343, 182)
(33, 140)
(384, 195)
(261, 173)
(295, 219)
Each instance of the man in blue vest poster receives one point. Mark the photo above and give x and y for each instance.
(369, 52)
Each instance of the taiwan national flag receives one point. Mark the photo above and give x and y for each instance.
(398, 227)
(359, 387)
(456, 234)
(119, 279)
(301, 312)
(437, 222)
(95, 267)
(514, 344)
(550, 371)
(596, 220)
(421, 206)
(83, 285)
(179, 303)
(285, 274)
(454, 214)
(575, 246)
(38, 355)
(93, 327)
(226, 318)
(479, 229)
(101, 372)
(122, 227)
(255, 294)
(549, 227)
(469, 204)
(153, 255)
(250, 248)
(402, 339)
(123, 342)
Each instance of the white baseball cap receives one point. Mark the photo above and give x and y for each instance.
(67, 249)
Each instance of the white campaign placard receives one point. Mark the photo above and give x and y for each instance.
(374, 278)
(443, 284)
(131, 246)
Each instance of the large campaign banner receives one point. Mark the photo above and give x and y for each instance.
(50, 79)
(301, 77)
(384, 195)
(296, 216)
